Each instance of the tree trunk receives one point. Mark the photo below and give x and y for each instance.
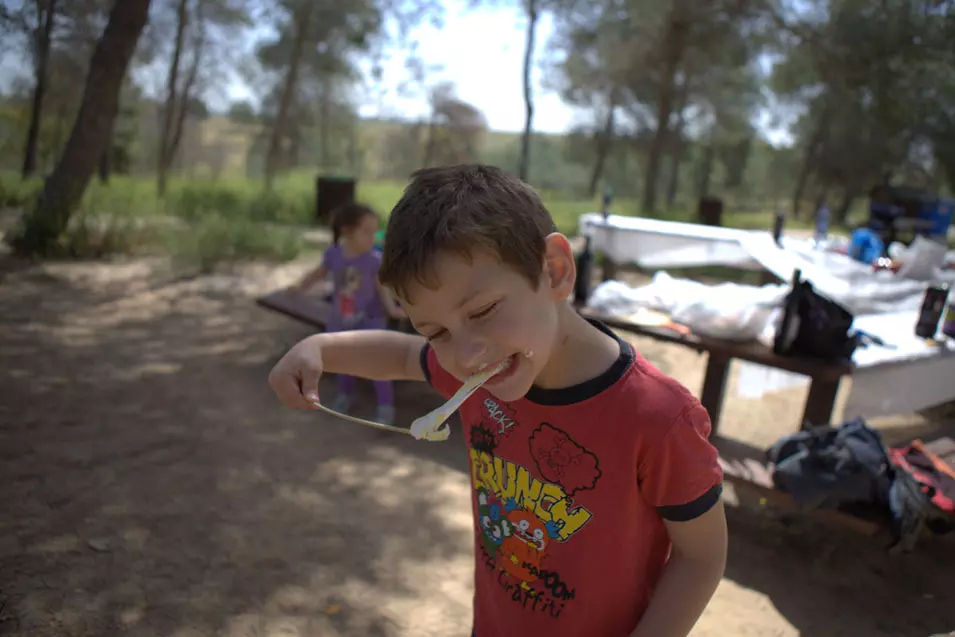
(523, 166)
(302, 19)
(294, 148)
(324, 127)
(808, 161)
(186, 95)
(706, 170)
(842, 212)
(676, 151)
(603, 146)
(91, 130)
(104, 162)
(431, 144)
(353, 150)
(39, 89)
(675, 46)
(803, 179)
(169, 114)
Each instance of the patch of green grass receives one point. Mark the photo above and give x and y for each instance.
(291, 201)
(216, 239)
(16, 192)
(565, 209)
(91, 235)
(383, 195)
(207, 222)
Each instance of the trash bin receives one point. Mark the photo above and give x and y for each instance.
(331, 192)
(710, 211)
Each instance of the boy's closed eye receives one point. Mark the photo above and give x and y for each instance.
(485, 311)
(436, 336)
(482, 313)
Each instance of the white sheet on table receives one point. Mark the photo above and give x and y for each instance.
(911, 375)
(915, 374)
(653, 243)
(846, 281)
(727, 310)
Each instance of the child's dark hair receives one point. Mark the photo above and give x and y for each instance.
(460, 209)
(347, 216)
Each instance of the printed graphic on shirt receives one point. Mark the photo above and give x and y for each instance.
(521, 517)
(501, 416)
(347, 290)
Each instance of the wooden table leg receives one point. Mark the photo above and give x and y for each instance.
(609, 270)
(714, 387)
(820, 402)
(766, 277)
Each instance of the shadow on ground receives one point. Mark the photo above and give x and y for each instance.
(151, 482)
(152, 486)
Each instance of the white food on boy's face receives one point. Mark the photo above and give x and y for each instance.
(428, 427)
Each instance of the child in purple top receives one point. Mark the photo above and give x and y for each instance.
(359, 300)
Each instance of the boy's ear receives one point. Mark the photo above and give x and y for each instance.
(560, 268)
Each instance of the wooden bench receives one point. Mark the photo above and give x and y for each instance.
(306, 309)
(311, 310)
(744, 467)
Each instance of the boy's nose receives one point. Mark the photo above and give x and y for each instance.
(470, 353)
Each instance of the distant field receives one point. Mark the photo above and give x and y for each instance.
(293, 200)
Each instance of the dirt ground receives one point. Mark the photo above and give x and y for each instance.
(150, 485)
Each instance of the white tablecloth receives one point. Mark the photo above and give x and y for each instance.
(652, 243)
(913, 375)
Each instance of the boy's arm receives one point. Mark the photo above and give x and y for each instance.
(680, 476)
(690, 578)
(374, 354)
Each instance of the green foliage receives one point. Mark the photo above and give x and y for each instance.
(16, 192)
(291, 204)
(216, 238)
(91, 235)
(200, 225)
(204, 224)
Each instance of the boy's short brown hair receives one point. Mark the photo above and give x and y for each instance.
(460, 209)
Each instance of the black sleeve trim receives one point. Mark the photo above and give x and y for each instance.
(694, 509)
(424, 363)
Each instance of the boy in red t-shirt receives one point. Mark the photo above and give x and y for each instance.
(596, 493)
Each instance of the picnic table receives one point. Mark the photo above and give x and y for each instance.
(825, 377)
(912, 376)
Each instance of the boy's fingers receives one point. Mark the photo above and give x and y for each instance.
(286, 387)
(309, 386)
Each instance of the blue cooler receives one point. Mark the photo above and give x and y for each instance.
(939, 212)
(865, 245)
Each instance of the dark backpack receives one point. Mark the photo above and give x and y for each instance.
(813, 326)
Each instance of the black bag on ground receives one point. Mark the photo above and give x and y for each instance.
(825, 467)
(813, 326)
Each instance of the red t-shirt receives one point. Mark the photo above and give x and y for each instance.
(569, 490)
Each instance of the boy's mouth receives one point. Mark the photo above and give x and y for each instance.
(510, 365)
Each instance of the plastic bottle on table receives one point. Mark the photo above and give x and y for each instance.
(948, 323)
(822, 225)
(933, 305)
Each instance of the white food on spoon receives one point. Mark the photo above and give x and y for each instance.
(429, 426)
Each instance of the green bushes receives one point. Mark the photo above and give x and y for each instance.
(198, 224)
